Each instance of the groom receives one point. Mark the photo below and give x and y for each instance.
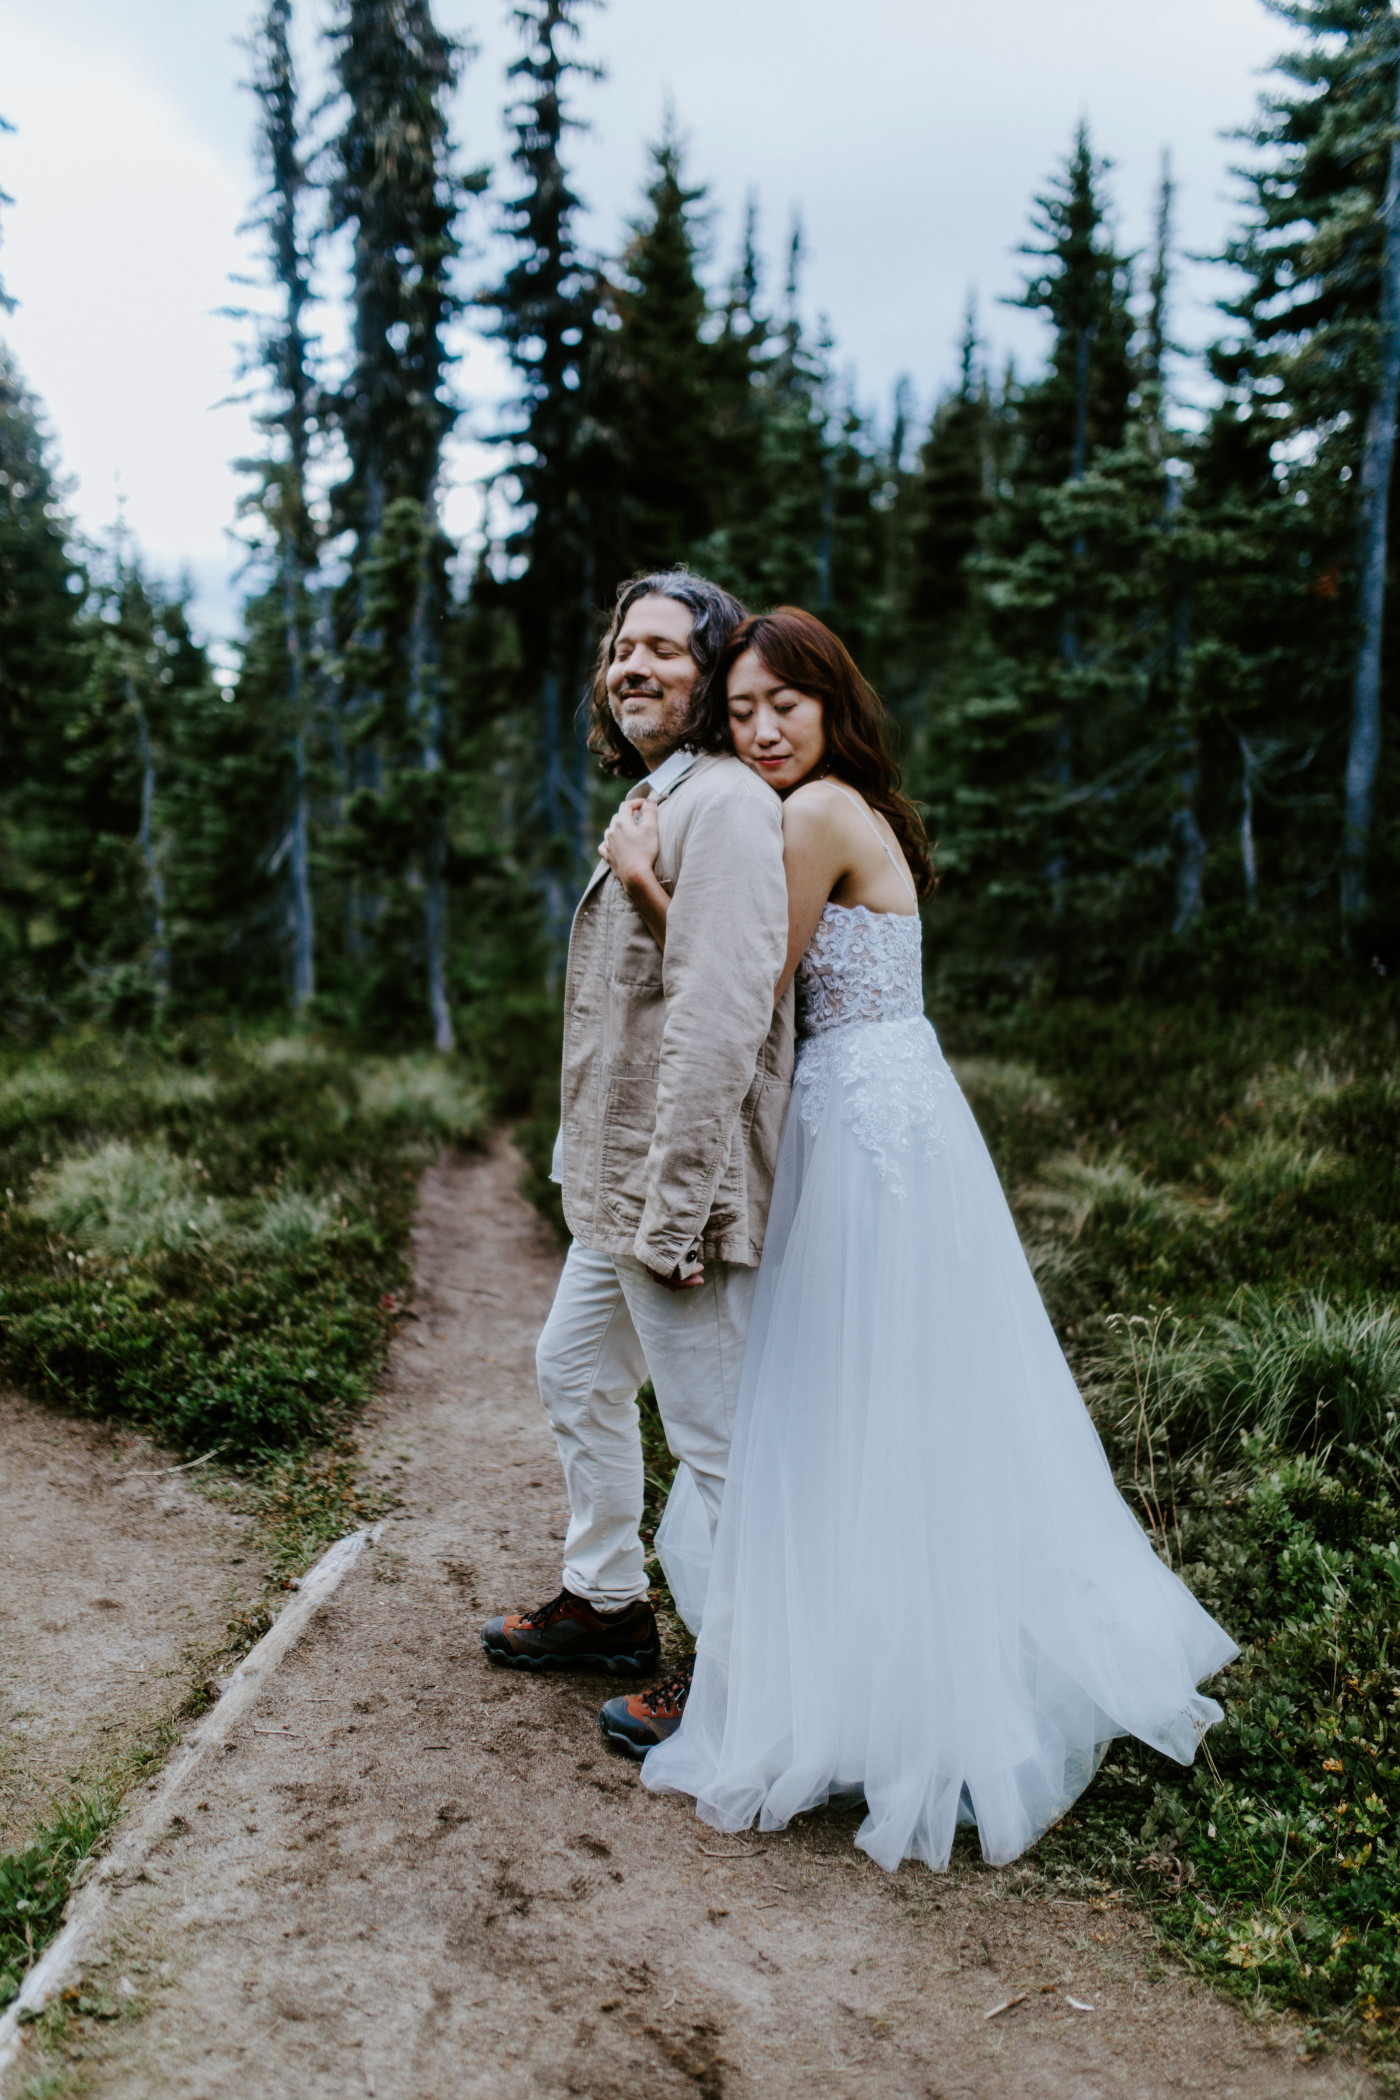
(675, 1084)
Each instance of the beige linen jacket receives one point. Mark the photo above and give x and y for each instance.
(677, 1067)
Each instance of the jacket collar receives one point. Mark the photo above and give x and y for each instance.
(663, 782)
(669, 774)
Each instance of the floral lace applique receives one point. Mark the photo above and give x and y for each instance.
(891, 1079)
(860, 965)
(861, 1020)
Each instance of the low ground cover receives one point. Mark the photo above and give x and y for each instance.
(208, 1237)
(1213, 1209)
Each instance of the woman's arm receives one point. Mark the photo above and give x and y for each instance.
(816, 855)
(629, 847)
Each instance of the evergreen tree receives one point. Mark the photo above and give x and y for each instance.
(282, 494)
(546, 306)
(1081, 405)
(42, 666)
(772, 542)
(1314, 365)
(394, 183)
(948, 502)
(666, 375)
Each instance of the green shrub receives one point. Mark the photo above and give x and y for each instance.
(209, 1238)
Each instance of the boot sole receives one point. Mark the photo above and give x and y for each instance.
(608, 1665)
(619, 1741)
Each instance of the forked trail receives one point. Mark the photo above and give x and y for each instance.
(412, 1875)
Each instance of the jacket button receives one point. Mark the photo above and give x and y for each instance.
(572, 1129)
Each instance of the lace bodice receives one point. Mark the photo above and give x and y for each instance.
(860, 965)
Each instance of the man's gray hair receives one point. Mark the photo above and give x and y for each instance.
(715, 613)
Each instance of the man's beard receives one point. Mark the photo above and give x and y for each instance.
(645, 733)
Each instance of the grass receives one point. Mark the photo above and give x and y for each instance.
(1212, 1206)
(207, 1238)
(35, 1884)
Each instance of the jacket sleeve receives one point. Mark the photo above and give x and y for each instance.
(726, 942)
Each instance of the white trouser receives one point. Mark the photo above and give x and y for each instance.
(611, 1326)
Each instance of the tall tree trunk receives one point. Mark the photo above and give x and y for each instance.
(1251, 866)
(427, 706)
(1191, 868)
(1062, 769)
(155, 881)
(1364, 747)
(555, 884)
(303, 919)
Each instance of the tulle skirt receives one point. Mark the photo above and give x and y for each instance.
(925, 1588)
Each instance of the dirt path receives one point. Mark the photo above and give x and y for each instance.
(116, 1580)
(418, 1877)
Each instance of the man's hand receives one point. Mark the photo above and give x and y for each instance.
(691, 1281)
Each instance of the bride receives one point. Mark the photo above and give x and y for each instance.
(925, 1589)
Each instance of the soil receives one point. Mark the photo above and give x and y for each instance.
(117, 1579)
(418, 1876)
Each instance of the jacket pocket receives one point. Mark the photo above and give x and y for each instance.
(636, 957)
(629, 1120)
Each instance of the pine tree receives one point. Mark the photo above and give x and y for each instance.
(1081, 405)
(1077, 410)
(281, 496)
(772, 541)
(394, 183)
(664, 375)
(42, 666)
(1314, 365)
(946, 504)
(546, 306)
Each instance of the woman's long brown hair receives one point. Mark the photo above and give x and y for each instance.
(796, 648)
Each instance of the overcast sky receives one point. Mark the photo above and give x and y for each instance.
(911, 134)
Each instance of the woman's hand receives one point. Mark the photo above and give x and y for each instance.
(629, 847)
(630, 842)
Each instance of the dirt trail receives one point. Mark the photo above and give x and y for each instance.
(415, 1876)
(116, 1577)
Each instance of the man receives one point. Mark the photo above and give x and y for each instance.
(675, 1085)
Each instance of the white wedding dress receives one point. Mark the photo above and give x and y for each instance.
(925, 1588)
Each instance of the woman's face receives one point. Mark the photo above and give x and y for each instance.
(777, 731)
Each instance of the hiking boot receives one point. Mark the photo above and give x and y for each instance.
(637, 1722)
(568, 1634)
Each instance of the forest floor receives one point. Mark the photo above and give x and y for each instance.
(118, 1584)
(418, 1876)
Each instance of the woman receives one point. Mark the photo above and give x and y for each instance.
(925, 1588)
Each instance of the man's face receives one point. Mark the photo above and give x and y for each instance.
(651, 678)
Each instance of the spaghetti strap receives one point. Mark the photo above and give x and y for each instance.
(880, 836)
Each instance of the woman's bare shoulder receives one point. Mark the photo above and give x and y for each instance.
(820, 805)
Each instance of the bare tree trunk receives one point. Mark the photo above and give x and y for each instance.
(1364, 747)
(303, 919)
(1191, 868)
(1251, 866)
(160, 944)
(1062, 769)
(427, 706)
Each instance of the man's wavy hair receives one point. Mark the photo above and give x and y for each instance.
(716, 614)
(796, 648)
